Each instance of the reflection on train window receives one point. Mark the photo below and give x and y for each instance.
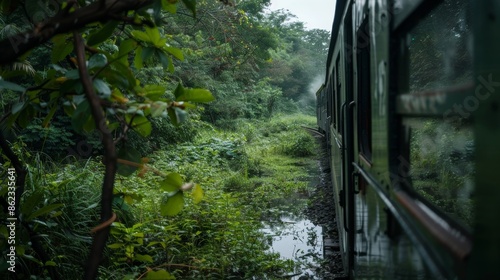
(336, 83)
(364, 98)
(333, 101)
(440, 47)
(329, 105)
(442, 165)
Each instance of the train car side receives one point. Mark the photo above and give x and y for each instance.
(411, 117)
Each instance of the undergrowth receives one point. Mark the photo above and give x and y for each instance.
(243, 173)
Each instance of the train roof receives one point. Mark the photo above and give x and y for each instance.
(337, 20)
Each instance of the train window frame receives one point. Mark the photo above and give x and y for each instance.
(330, 108)
(401, 83)
(338, 95)
(363, 91)
(333, 94)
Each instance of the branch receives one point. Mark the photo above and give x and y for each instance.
(110, 157)
(15, 46)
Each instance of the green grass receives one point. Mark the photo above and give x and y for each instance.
(242, 173)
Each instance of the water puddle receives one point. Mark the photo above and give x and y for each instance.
(299, 240)
(293, 235)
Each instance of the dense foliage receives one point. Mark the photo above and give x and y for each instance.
(92, 88)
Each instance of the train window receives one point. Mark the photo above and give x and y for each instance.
(440, 47)
(328, 105)
(364, 97)
(437, 58)
(442, 166)
(338, 94)
(334, 101)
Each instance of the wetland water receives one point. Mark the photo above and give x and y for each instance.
(292, 232)
(299, 240)
(304, 221)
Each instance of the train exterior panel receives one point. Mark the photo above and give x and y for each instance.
(410, 108)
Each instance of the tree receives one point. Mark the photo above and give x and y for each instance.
(301, 55)
(96, 49)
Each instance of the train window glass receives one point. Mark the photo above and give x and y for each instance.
(441, 165)
(338, 95)
(440, 47)
(334, 99)
(364, 98)
(329, 105)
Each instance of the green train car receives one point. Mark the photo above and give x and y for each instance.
(410, 107)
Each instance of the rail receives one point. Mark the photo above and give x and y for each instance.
(313, 130)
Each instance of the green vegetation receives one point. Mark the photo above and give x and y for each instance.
(145, 139)
(217, 238)
(442, 169)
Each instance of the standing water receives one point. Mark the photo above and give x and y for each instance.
(292, 233)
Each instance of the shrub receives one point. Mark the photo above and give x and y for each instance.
(163, 134)
(53, 139)
(300, 145)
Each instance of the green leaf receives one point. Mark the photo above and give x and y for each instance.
(154, 35)
(140, 35)
(172, 205)
(89, 125)
(126, 46)
(179, 91)
(44, 210)
(168, 6)
(180, 115)
(143, 258)
(128, 154)
(80, 116)
(72, 87)
(191, 5)
(147, 53)
(97, 61)
(30, 202)
(119, 74)
(138, 62)
(115, 245)
(172, 116)
(50, 263)
(197, 193)
(154, 92)
(61, 49)
(170, 65)
(49, 116)
(59, 68)
(159, 275)
(194, 95)
(142, 125)
(18, 107)
(172, 182)
(102, 34)
(9, 85)
(157, 108)
(102, 88)
(166, 62)
(177, 53)
(73, 74)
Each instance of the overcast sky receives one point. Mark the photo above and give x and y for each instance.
(313, 13)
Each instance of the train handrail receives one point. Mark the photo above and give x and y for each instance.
(453, 240)
(415, 236)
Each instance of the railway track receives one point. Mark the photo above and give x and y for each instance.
(312, 130)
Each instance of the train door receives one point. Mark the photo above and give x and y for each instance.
(348, 133)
